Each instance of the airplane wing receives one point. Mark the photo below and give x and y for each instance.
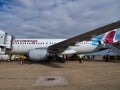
(61, 46)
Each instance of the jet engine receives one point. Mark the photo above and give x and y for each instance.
(38, 54)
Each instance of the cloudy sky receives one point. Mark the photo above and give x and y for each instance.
(56, 18)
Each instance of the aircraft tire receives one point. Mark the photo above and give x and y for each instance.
(61, 60)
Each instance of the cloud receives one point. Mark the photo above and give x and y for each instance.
(55, 18)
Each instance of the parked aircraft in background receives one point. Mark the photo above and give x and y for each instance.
(39, 49)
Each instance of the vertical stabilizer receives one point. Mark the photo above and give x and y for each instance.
(109, 37)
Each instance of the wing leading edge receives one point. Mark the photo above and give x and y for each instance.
(61, 46)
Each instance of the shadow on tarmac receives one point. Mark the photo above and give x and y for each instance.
(45, 63)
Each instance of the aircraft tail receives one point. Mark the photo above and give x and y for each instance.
(109, 37)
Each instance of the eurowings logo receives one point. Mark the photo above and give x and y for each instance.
(25, 40)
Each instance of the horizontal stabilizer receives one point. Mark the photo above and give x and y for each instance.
(114, 49)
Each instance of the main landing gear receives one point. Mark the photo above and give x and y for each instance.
(57, 58)
(62, 60)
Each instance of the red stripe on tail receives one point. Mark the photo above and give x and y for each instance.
(110, 37)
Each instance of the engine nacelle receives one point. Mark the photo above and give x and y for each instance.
(38, 54)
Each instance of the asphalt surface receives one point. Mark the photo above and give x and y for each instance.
(72, 75)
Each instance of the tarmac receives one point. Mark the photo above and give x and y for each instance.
(72, 75)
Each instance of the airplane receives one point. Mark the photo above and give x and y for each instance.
(24, 46)
(41, 49)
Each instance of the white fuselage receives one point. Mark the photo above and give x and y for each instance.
(23, 46)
